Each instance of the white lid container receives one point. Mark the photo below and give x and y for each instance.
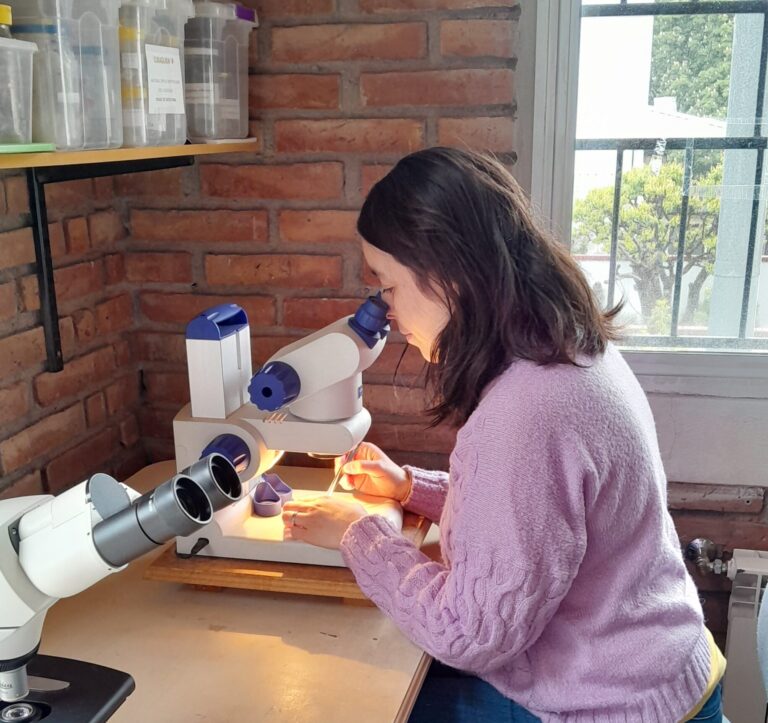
(16, 98)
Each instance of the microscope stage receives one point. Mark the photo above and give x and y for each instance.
(237, 533)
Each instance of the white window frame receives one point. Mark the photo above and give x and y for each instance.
(547, 82)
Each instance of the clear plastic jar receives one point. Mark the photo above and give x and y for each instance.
(76, 91)
(152, 71)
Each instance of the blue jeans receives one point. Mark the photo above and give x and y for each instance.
(451, 696)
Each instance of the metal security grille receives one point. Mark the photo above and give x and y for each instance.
(755, 142)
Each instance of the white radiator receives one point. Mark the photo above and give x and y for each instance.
(744, 697)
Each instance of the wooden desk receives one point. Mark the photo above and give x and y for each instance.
(237, 655)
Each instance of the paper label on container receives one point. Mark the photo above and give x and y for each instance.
(166, 90)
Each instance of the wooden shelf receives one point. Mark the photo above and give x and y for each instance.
(117, 155)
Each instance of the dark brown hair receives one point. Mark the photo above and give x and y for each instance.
(461, 223)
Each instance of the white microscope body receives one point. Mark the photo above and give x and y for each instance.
(306, 398)
(55, 547)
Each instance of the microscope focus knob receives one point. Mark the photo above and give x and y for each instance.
(274, 385)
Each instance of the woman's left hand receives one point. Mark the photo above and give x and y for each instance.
(321, 521)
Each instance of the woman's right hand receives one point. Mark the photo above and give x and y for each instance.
(373, 473)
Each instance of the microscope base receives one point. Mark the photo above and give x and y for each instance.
(92, 694)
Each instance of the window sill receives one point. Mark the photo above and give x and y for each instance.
(701, 373)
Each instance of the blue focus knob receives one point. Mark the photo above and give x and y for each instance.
(233, 448)
(370, 320)
(274, 385)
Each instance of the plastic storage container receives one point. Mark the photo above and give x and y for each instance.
(152, 71)
(76, 90)
(216, 61)
(16, 96)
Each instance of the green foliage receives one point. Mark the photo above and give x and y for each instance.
(649, 227)
(692, 62)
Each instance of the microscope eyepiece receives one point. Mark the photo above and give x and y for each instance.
(216, 475)
(179, 506)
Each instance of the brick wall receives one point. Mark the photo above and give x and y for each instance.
(57, 428)
(339, 90)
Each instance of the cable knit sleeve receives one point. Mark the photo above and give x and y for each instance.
(428, 491)
(513, 535)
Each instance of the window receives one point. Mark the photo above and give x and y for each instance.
(667, 205)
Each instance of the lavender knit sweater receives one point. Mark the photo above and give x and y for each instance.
(562, 583)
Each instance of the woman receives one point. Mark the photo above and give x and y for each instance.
(562, 594)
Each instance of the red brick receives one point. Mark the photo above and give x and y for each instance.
(412, 437)
(16, 197)
(304, 181)
(731, 532)
(274, 270)
(182, 308)
(316, 313)
(95, 410)
(41, 437)
(160, 346)
(85, 325)
(106, 227)
(343, 135)
(78, 239)
(114, 269)
(145, 267)
(168, 387)
(104, 189)
(18, 248)
(156, 423)
(263, 347)
(67, 334)
(155, 183)
(207, 226)
(130, 463)
(80, 462)
(56, 240)
(318, 226)
(477, 38)
(389, 399)
(3, 207)
(74, 282)
(21, 351)
(123, 394)
(316, 43)
(30, 299)
(129, 431)
(386, 6)
(278, 9)
(123, 353)
(26, 486)
(114, 314)
(487, 86)
(297, 92)
(496, 134)
(14, 403)
(371, 175)
(78, 374)
(64, 196)
(8, 306)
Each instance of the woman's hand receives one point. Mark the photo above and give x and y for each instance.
(320, 521)
(373, 473)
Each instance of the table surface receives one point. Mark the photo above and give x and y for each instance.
(237, 655)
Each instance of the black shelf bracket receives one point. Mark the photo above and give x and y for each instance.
(37, 179)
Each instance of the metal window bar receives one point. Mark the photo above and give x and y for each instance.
(755, 142)
(687, 174)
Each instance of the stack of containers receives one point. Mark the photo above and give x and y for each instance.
(152, 71)
(76, 92)
(216, 61)
(16, 82)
